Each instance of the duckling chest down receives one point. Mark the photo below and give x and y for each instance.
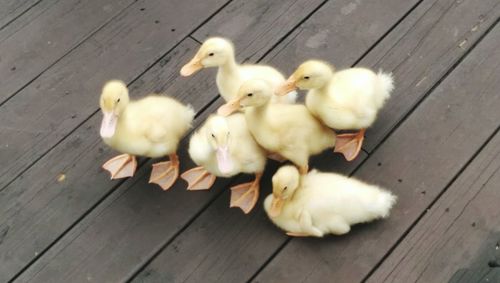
(151, 127)
(328, 203)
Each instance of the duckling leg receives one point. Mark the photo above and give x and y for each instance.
(245, 195)
(303, 169)
(350, 144)
(198, 179)
(165, 173)
(121, 166)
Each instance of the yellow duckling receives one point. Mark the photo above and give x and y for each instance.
(151, 127)
(224, 147)
(287, 129)
(344, 100)
(219, 52)
(323, 203)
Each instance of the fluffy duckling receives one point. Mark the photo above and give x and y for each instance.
(224, 147)
(151, 127)
(287, 129)
(345, 100)
(323, 203)
(219, 52)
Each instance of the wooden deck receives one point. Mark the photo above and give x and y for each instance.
(436, 144)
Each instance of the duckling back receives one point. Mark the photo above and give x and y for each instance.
(152, 126)
(330, 194)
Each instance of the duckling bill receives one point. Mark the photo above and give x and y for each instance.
(150, 127)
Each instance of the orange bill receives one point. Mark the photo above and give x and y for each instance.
(229, 108)
(192, 67)
(276, 207)
(286, 87)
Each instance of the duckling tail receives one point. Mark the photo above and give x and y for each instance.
(385, 86)
(383, 204)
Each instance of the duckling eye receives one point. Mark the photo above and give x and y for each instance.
(285, 188)
(211, 54)
(213, 136)
(306, 77)
(250, 94)
(118, 100)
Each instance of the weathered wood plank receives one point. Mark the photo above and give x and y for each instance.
(197, 91)
(420, 50)
(254, 24)
(11, 9)
(417, 161)
(36, 209)
(25, 18)
(457, 240)
(43, 41)
(225, 245)
(210, 261)
(48, 109)
(206, 251)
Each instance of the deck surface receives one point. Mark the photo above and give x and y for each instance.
(436, 144)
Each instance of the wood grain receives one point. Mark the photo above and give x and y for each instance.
(42, 41)
(457, 239)
(53, 105)
(417, 162)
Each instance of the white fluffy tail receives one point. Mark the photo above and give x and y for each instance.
(383, 204)
(384, 88)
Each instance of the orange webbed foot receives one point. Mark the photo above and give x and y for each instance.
(121, 166)
(198, 179)
(165, 173)
(245, 195)
(350, 144)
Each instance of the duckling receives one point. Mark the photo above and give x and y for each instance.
(287, 129)
(150, 127)
(344, 100)
(323, 203)
(224, 147)
(219, 52)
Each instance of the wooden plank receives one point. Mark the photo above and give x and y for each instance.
(225, 245)
(12, 9)
(188, 254)
(417, 162)
(420, 50)
(221, 246)
(240, 19)
(457, 240)
(197, 91)
(37, 208)
(43, 41)
(43, 113)
(25, 18)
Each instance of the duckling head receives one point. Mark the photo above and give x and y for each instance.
(114, 98)
(312, 74)
(252, 93)
(218, 136)
(214, 52)
(285, 182)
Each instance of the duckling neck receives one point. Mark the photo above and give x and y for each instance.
(229, 68)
